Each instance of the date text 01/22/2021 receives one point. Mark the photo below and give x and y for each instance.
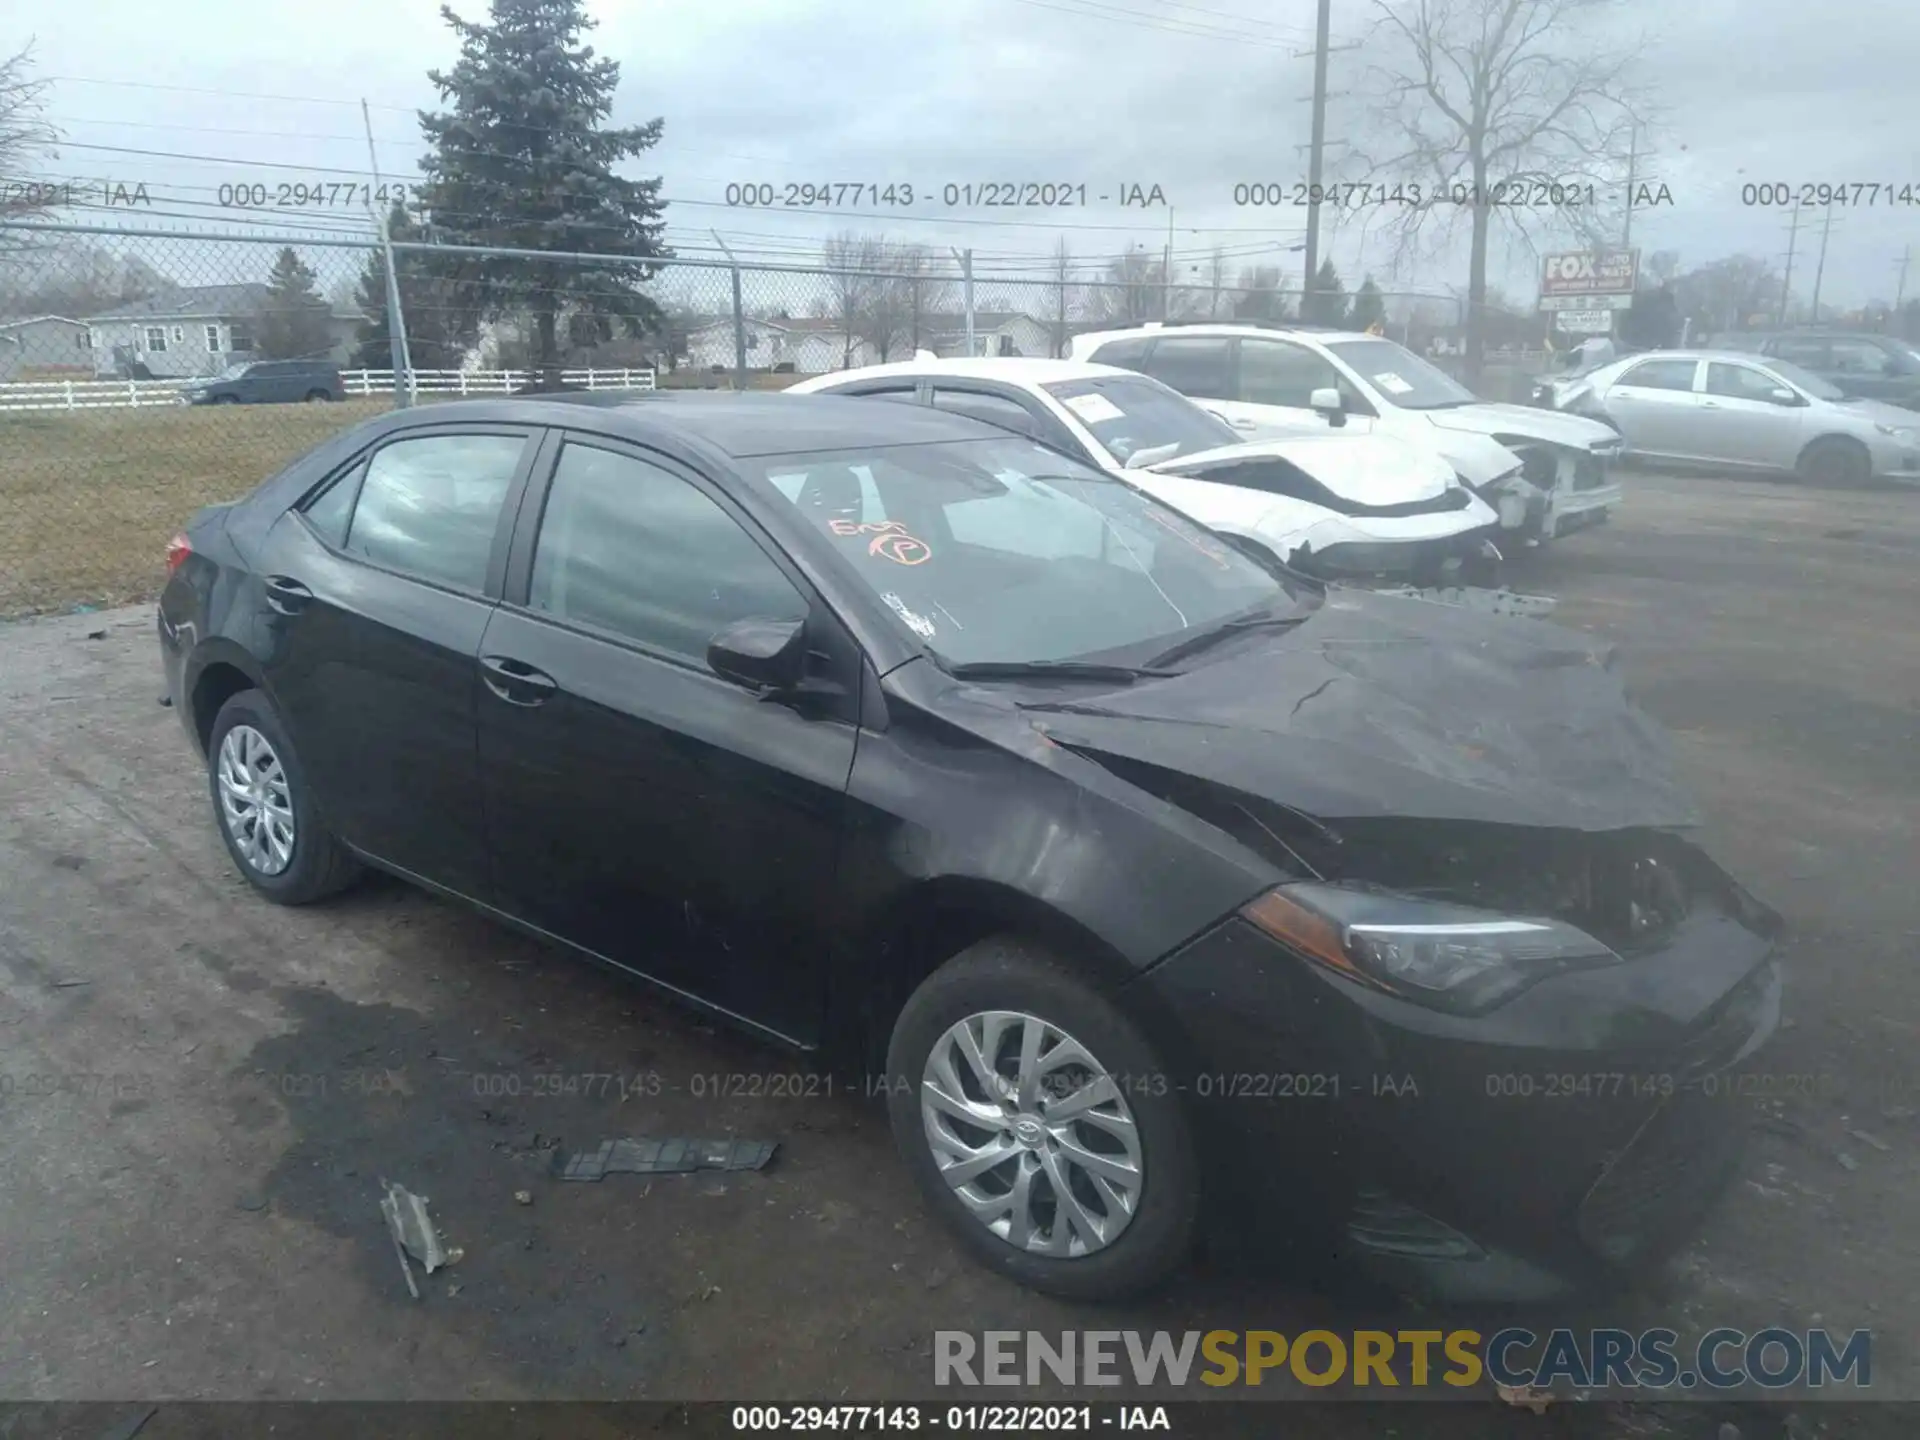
(1013, 1419)
(901, 195)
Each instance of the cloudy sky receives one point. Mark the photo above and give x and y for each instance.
(1193, 97)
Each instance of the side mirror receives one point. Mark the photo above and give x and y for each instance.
(760, 654)
(1783, 397)
(1326, 401)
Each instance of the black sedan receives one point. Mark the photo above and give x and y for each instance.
(1153, 884)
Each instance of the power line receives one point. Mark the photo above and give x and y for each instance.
(1131, 17)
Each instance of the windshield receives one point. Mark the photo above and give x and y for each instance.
(1141, 418)
(1805, 380)
(1400, 376)
(234, 371)
(1004, 551)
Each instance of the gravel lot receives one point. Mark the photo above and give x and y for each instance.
(200, 1219)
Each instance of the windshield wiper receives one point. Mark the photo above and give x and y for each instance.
(1055, 670)
(1195, 643)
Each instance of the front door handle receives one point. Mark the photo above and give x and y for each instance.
(286, 594)
(517, 682)
(1244, 424)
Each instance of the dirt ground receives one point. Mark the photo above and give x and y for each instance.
(190, 1210)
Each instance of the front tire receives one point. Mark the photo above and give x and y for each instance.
(1040, 1125)
(264, 810)
(1837, 462)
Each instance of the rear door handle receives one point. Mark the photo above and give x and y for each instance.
(1709, 404)
(1244, 424)
(287, 595)
(517, 682)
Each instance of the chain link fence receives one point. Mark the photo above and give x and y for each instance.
(143, 375)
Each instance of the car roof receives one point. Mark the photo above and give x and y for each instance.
(739, 425)
(1017, 369)
(1223, 327)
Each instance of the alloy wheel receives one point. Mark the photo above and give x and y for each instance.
(255, 803)
(1032, 1134)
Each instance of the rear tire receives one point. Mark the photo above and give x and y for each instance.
(1836, 461)
(1117, 1236)
(265, 811)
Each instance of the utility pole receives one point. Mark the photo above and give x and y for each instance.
(1820, 268)
(1786, 284)
(1166, 273)
(1900, 295)
(739, 317)
(965, 257)
(1317, 153)
(402, 360)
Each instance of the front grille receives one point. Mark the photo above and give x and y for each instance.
(1590, 472)
(1654, 1189)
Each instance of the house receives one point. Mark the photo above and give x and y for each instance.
(811, 345)
(44, 347)
(995, 332)
(195, 330)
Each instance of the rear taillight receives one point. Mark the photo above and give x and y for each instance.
(178, 548)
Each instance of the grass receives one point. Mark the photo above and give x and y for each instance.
(88, 499)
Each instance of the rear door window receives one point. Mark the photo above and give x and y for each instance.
(1195, 365)
(430, 507)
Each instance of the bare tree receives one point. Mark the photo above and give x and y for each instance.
(1259, 297)
(1216, 280)
(1479, 97)
(850, 261)
(25, 136)
(1132, 289)
(1065, 297)
(927, 290)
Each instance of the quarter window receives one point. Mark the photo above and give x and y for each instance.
(635, 550)
(1661, 375)
(1127, 354)
(429, 507)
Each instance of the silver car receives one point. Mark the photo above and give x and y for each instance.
(1730, 410)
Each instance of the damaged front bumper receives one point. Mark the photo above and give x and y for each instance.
(1556, 1143)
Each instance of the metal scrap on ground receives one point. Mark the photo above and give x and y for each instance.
(412, 1231)
(664, 1157)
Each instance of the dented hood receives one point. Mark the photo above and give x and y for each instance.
(1378, 706)
(1489, 417)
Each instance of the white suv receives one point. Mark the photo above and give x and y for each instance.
(1265, 381)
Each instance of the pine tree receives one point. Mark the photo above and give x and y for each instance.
(439, 330)
(1327, 305)
(293, 321)
(521, 160)
(1369, 306)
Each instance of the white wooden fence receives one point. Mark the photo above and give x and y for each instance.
(136, 394)
(491, 382)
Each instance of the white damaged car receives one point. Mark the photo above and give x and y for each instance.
(1267, 380)
(1346, 506)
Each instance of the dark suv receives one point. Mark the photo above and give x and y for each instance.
(266, 382)
(1875, 367)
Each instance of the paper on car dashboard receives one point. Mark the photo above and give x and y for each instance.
(1094, 408)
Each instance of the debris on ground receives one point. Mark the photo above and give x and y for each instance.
(1525, 1395)
(663, 1157)
(413, 1232)
(1874, 1140)
(1847, 1162)
(523, 1197)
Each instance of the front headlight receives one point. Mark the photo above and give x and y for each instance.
(1436, 953)
(1899, 432)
